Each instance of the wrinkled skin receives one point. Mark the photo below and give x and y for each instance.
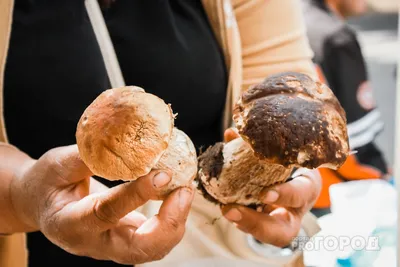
(57, 196)
(285, 206)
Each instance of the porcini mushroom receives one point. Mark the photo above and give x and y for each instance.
(125, 133)
(286, 122)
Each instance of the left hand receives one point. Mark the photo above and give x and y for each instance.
(286, 204)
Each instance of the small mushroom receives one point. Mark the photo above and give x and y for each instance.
(125, 133)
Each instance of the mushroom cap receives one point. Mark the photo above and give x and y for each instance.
(292, 120)
(124, 132)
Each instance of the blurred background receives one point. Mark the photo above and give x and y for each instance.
(368, 208)
(378, 34)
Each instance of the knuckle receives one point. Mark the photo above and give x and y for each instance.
(52, 156)
(130, 259)
(293, 199)
(265, 236)
(54, 166)
(317, 186)
(277, 240)
(123, 256)
(160, 252)
(281, 242)
(143, 188)
(253, 228)
(286, 238)
(299, 201)
(154, 252)
(173, 224)
(104, 211)
(137, 256)
(50, 153)
(311, 201)
(315, 180)
(140, 255)
(143, 193)
(160, 255)
(77, 250)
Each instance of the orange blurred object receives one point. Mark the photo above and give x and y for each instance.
(351, 169)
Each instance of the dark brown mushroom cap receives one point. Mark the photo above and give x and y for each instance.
(290, 119)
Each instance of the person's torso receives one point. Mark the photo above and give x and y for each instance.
(169, 49)
(55, 70)
(54, 67)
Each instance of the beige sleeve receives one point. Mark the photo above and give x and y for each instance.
(273, 37)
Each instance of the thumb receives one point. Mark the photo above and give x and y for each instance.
(64, 166)
(104, 209)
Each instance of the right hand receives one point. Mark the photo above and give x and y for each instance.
(52, 194)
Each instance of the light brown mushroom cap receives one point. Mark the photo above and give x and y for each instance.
(124, 133)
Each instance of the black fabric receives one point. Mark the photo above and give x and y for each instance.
(320, 212)
(345, 70)
(169, 49)
(338, 53)
(55, 69)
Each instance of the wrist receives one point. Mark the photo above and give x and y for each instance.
(22, 201)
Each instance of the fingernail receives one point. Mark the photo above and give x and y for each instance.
(233, 215)
(161, 179)
(185, 196)
(271, 196)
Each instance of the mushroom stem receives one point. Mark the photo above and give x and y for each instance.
(180, 159)
(231, 173)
